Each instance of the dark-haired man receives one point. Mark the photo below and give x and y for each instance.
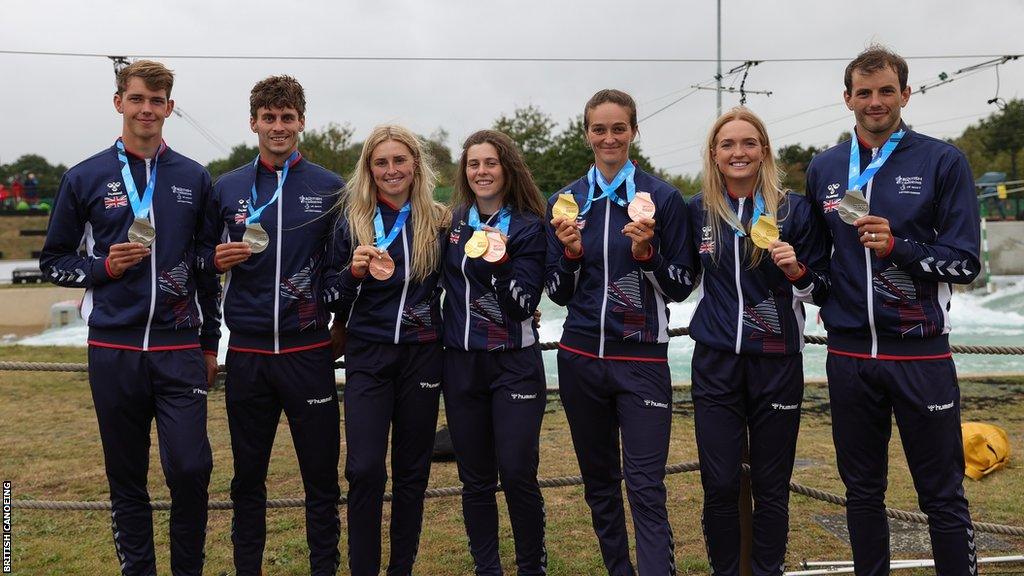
(903, 217)
(268, 226)
(151, 308)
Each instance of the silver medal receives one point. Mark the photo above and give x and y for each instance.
(852, 206)
(142, 231)
(256, 237)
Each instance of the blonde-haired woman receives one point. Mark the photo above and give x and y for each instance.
(385, 294)
(760, 254)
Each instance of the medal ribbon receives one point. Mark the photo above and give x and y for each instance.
(254, 214)
(504, 217)
(139, 206)
(759, 209)
(379, 240)
(858, 180)
(626, 174)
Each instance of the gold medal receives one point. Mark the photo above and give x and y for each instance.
(142, 231)
(495, 247)
(764, 232)
(641, 207)
(382, 266)
(565, 207)
(852, 206)
(256, 237)
(477, 244)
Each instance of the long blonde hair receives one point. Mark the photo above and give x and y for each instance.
(426, 216)
(717, 212)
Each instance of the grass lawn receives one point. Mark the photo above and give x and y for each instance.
(51, 451)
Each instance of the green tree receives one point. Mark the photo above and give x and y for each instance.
(436, 149)
(1003, 133)
(331, 147)
(47, 175)
(240, 154)
(793, 160)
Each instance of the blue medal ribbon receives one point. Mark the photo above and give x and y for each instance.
(626, 174)
(504, 217)
(255, 213)
(759, 210)
(858, 180)
(379, 239)
(140, 206)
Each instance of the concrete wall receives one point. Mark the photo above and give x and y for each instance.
(1006, 247)
(30, 307)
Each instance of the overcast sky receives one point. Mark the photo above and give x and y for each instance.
(60, 106)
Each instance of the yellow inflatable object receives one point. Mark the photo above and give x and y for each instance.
(986, 449)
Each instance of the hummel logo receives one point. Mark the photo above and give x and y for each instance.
(654, 404)
(323, 400)
(777, 406)
(429, 385)
(199, 391)
(517, 396)
(939, 407)
(115, 187)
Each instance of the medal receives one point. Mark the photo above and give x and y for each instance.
(256, 237)
(382, 267)
(565, 207)
(477, 244)
(142, 231)
(764, 232)
(495, 247)
(641, 207)
(852, 206)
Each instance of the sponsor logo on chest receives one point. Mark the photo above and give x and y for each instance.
(115, 197)
(909, 184)
(707, 243)
(456, 233)
(181, 195)
(312, 204)
(242, 212)
(831, 201)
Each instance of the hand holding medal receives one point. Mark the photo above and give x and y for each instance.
(563, 219)
(487, 242)
(641, 228)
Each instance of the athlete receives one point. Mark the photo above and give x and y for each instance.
(494, 386)
(903, 217)
(268, 228)
(760, 252)
(385, 286)
(151, 306)
(616, 254)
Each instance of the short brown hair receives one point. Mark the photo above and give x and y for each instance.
(876, 57)
(615, 97)
(277, 92)
(154, 74)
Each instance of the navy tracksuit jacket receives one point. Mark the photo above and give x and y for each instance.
(145, 333)
(279, 355)
(747, 374)
(393, 365)
(494, 386)
(612, 371)
(888, 325)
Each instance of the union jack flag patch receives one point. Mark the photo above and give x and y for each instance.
(830, 205)
(120, 201)
(239, 218)
(707, 247)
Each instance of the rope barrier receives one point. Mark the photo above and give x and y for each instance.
(557, 482)
(73, 367)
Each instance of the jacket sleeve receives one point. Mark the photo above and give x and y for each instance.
(562, 273)
(208, 288)
(670, 267)
(340, 286)
(519, 280)
(812, 246)
(59, 260)
(953, 256)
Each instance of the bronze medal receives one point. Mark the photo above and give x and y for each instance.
(852, 206)
(641, 207)
(477, 244)
(495, 247)
(256, 237)
(142, 231)
(764, 232)
(382, 267)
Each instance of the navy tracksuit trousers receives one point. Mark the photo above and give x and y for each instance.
(129, 389)
(494, 403)
(388, 386)
(258, 387)
(925, 398)
(603, 399)
(736, 396)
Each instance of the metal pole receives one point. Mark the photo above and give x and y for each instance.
(718, 91)
(984, 255)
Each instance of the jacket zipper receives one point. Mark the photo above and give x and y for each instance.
(152, 269)
(277, 274)
(739, 289)
(870, 302)
(604, 299)
(405, 287)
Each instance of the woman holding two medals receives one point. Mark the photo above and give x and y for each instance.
(760, 253)
(494, 386)
(617, 253)
(388, 299)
